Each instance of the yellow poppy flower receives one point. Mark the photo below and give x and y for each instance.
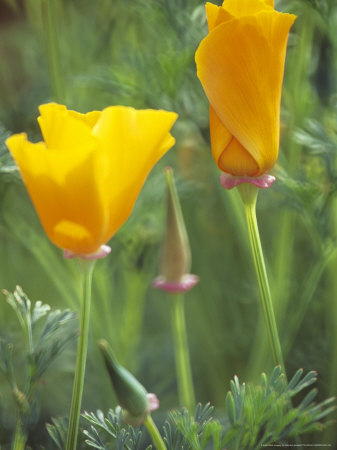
(85, 177)
(240, 64)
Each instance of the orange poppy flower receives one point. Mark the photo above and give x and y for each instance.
(240, 64)
(85, 177)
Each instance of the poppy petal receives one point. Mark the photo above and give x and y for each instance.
(246, 7)
(89, 118)
(240, 65)
(228, 153)
(63, 191)
(139, 135)
(61, 129)
(141, 138)
(216, 15)
(84, 180)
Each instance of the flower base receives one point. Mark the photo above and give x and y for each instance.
(153, 405)
(103, 251)
(229, 181)
(186, 283)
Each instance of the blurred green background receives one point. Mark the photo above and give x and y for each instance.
(140, 53)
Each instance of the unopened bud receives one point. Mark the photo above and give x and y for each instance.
(130, 393)
(176, 253)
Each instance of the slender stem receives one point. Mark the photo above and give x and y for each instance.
(20, 436)
(182, 357)
(31, 366)
(249, 195)
(87, 267)
(295, 321)
(155, 435)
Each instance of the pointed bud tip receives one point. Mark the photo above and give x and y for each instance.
(169, 178)
(176, 253)
(131, 394)
(107, 352)
(168, 170)
(103, 344)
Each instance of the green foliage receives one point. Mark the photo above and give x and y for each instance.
(6, 162)
(317, 138)
(141, 53)
(105, 433)
(115, 436)
(46, 332)
(255, 415)
(187, 432)
(58, 431)
(47, 342)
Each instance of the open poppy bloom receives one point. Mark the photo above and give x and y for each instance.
(85, 177)
(240, 64)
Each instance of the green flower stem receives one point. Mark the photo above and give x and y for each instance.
(295, 321)
(87, 268)
(20, 436)
(154, 433)
(248, 194)
(182, 357)
(31, 367)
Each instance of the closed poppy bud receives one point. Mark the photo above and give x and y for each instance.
(240, 65)
(86, 176)
(176, 253)
(130, 393)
